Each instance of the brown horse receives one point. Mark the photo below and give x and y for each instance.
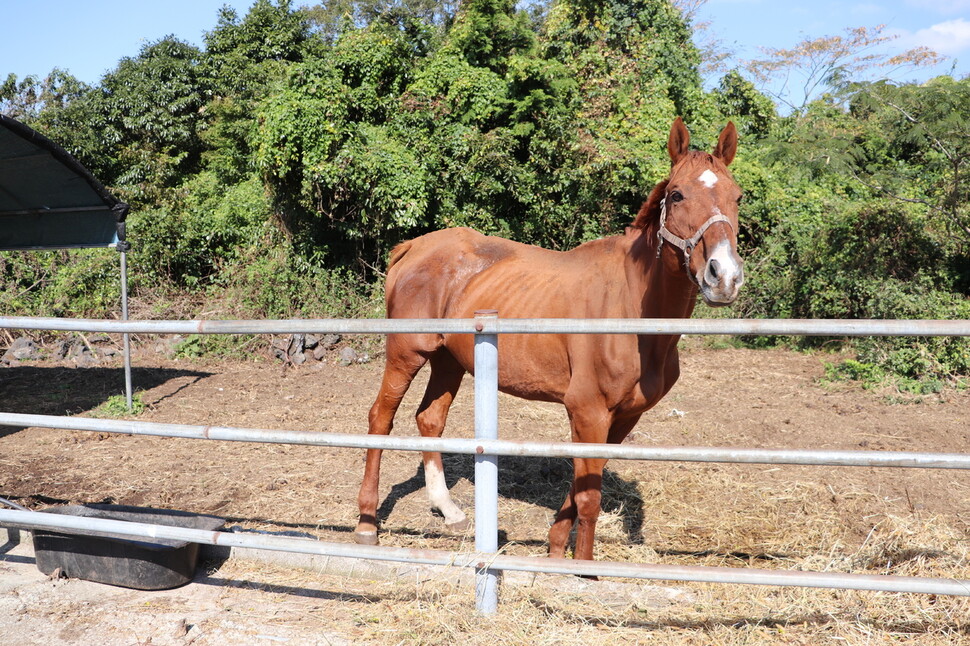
(683, 240)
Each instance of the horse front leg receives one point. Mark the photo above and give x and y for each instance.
(587, 494)
(581, 508)
(584, 501)
(588, 488)
(590, 423)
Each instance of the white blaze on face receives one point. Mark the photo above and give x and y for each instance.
(708, 178)
(724, 287)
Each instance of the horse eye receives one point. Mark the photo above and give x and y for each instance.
(740, 198)
(676, 196)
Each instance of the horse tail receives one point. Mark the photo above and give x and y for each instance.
(398, 252)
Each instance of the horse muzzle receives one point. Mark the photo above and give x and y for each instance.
(721, 278)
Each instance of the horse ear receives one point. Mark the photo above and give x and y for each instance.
(727, 144)
(679, 141)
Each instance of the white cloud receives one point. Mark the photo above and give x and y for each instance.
(950, 38)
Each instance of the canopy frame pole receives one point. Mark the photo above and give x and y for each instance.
(121, 211)
(126, 337)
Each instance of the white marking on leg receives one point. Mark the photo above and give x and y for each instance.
(708, 178)
(434, 480)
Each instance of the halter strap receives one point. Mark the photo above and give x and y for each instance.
(686, 246)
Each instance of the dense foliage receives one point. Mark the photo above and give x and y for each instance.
(272, 170)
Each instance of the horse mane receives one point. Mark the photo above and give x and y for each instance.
(650, 210)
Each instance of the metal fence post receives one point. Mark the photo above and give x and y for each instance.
(486, 466)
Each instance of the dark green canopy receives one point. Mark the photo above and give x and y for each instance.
(48, 200)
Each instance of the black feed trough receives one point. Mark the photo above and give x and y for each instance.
(115, 559)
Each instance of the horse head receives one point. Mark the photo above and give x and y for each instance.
(698, 215)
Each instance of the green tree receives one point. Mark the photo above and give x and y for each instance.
(28, 98)
(636, 69)
(737, 98)
(914, 146)
(332, 18)
(138, 130)
(245, 56)
(321, 140)
(246, 59)
(649, 39)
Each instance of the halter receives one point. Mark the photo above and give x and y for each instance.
(686, 246)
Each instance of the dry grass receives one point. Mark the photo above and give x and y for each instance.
(794, 528)
(818, 519)
(434, 612)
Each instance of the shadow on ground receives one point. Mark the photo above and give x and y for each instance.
(62, 390)
(537, 481)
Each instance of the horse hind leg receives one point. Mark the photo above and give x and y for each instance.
(446, 377)
(400, 368)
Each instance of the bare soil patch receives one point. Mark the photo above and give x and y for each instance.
(854, 519)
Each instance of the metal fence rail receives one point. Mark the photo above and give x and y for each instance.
(496, 447)
(767, 327)
(489, 560)
(486, 447)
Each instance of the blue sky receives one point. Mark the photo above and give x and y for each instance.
(942, 25)
(89, 37)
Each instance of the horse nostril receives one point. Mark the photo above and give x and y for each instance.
(712, 268)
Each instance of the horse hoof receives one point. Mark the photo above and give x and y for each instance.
(365, 538)
(460, 526)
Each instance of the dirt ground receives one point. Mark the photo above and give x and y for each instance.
(698, 514)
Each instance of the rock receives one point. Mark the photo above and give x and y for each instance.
(22, 349)
(330, 341)
(76, 350)
(295, 347)
(83, 358)
(319, 352)
(26, 351)
(61, 349)
(348, 356)
(279, 348)
(182, 629)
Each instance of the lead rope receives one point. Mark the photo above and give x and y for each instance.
(663, 226)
